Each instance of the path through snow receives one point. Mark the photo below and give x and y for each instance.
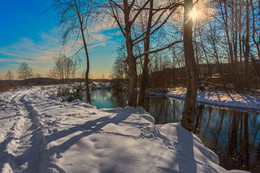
(21, 150)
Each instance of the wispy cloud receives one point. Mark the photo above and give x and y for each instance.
(39, 54)
(28, 50)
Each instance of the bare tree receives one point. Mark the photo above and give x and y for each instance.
(37, 75)
(125, 14)
(190, 101)
(125, 24)
(64, 68)
(24, 71)
(120, 66)
(9, 75)
(75, 16)
(212, 39)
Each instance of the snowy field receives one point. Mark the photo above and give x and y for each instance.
(42, 134)
(219, 98)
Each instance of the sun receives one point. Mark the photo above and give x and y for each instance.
(194, 14)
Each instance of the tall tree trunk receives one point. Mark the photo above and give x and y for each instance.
(145, 73)
(190, 101)
(226, 22)
(144, 81)
(87, 70)
(132, 96)
(219, 65)
(234, 34)
(205, 54)
(240, 43)
(197, 51)
(247, 47)
(86, 52)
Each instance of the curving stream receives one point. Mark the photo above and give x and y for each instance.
(234, 135)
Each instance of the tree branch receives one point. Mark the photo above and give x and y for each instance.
(116, 4)
(136, 41)
(157, 50)
(140, 36)
(139, 11)
(77, 52)
(117, 19)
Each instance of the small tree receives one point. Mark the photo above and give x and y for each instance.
(64, 68)
(120, 69)
(24, 71)
(9, 75)
(37, 75)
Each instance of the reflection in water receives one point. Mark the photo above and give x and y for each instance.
(233, 135)
(162, 109)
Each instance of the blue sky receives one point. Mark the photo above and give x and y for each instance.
(28, 33)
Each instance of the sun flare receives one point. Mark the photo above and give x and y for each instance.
(194, 14)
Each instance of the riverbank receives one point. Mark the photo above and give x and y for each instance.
(218, 98)
(42, 134)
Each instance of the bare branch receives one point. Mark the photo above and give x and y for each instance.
(116, 4)
(132, 4)
(77, 52)
(115, 16)
(139, 11)
(136, 41)
(157, 50)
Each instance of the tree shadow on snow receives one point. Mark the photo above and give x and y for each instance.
(88, 128)
(185, 159)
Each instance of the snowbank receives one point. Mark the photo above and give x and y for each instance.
(219, 98)
(45, 135)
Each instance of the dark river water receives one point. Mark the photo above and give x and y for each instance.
(234, 135)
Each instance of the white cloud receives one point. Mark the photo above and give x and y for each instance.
(106, 23)
(39, 54)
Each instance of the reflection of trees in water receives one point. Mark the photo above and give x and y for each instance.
(164, 110)
(232, 149)
(159, 108)
(233, 133)
(240, 144)
(208, 120)
(118, 99)
(104, 94)
(198, 119)
(255, 125)
(246, 140)
(100, 94)
(219, 127)
(178, 108)
(257, 160)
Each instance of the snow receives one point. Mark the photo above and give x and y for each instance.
(219, 98)
(42, 134)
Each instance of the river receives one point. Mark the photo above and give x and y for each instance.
(234, 135)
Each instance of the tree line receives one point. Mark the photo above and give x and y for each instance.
(226, 47)
(64, 68)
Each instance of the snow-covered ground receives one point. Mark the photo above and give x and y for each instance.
(41, 134)
(219, 98)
